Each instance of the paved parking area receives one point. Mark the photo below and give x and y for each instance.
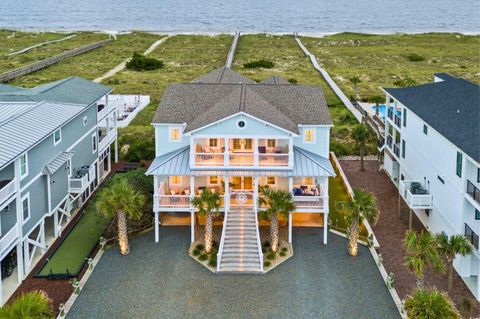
(161, 281)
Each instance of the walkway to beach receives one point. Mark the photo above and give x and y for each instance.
(162, 281)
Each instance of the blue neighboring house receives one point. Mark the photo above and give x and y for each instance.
(55, 142)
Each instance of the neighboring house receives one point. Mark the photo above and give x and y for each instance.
(225, 129)
(432, 153)
(54, 151)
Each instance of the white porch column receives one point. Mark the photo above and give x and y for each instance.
(26, 252)
(42, 237)
(478, 281)
(226, 195)
(55, 224)
(109, 161)
(290, 153)
(226, 154)
(290, 227)
(325, 228)
(20, 270)
(255, 152)
(116, 150)
(192, 225)
(1, 287)
(157, 230)
(192, 151)
(255, 194)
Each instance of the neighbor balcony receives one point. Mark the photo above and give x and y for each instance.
(9, 238)
(415, 195)
(82, 179)
(473, 192)
(7, 189)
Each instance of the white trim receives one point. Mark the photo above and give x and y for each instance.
(54, 132)
(31, 181)
(26, 165)
(81, 138)
(27, 197)
(315, 125)
(242, 114)
(244, 124)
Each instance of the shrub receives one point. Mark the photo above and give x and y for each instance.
(271, 255)
(283, 254)
(196, 252)
(292, 80)
(267, 264)
(140, 150)
(34, 304)
(285, 249)
(430, 303)
(203, 257)
(264, 249)
(258, 64)
(405, 82)
(199, 247)
(414, 57)
(212, 262)
(266, 243)
(140, 62)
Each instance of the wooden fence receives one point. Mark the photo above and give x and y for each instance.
(10, 75)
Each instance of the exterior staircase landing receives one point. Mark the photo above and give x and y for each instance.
(241, 247)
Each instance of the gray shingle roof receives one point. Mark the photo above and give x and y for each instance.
(69, 90)
(21, 132)
(451, 107)
(284, 105)
(223, 75)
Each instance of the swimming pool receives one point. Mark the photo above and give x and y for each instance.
(382, 110)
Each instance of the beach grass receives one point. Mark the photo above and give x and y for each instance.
(92, 64)
(12, 62)
(382, 60)
(291, 64)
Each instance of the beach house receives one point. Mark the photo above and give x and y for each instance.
(432, 154)
(55, 142)
(229, 134)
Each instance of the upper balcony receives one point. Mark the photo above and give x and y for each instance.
(415, 195)
(7, 189)
(242, 152)
(473, 192)
(82, 179)
(395, 116)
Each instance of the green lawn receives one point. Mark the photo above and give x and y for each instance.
(13, 41)
(381, 60)
(290, 63)
(46, 51)
(78, 244)
(92, 64)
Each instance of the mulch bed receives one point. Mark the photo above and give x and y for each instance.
(390, 232)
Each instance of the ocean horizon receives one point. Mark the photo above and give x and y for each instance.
(315, 18)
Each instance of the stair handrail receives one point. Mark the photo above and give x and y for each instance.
(259, 243)
(222, 240)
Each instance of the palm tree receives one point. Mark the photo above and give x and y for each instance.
(361, 134)
(30, 305)
(377, 99)
(422, 250)
(430, 304)
(207, 204)
(355, 80)
(122, 200)
(363, 206)
(449, 248)
(276, 202)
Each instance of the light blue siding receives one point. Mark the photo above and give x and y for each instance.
(322, 141)
(38, 203)
(8, 217)
(8, 173)
(59, 185)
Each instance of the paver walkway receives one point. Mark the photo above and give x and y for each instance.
(390, 232)
(161, 281)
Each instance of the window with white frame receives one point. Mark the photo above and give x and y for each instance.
(309, 135)
(57, 136)
(213, 142)
(175, 180)
(271, 142)
(94, 143)
(213, 180)
(175, 134)
(23, 165)
(271, 180)
(25, 208)
(308, 181)
(85, 121)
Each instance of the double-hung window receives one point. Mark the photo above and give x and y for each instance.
(175, 134)
(459, 164)
(23, 165)
(57, 136)
(309, 135)
(25, 208)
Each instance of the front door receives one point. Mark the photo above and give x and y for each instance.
(242, 191)
(242, 183)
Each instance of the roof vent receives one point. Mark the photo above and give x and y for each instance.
(458, 111)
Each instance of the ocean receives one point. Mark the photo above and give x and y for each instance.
(249, 16)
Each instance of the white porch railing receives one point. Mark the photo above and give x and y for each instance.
(7, 191)
(241, 159)
(8, 238)
(78, 185)
(102, 113)
(222, 239)
(241, 199)
(415, 201)
(92, 172)
(273, 159)
(310, 202)
(209, 159)
(259, 243)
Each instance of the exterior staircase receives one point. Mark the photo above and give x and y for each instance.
(240, 248)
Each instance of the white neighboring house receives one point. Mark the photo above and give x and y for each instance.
(432, 153)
